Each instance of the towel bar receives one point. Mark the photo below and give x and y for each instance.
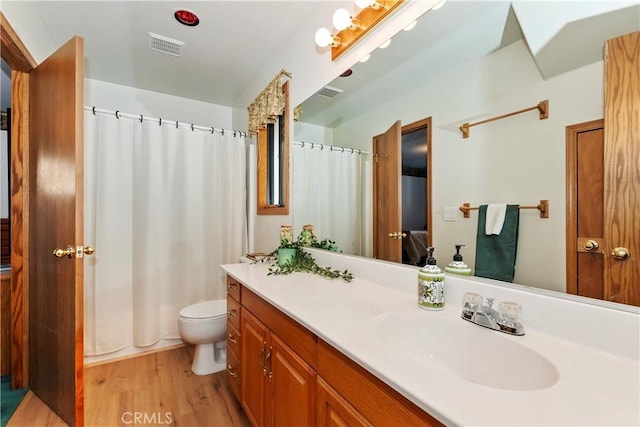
(543, 207)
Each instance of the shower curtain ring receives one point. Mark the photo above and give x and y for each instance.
(321, 147)
(234, 133)
(312, 145)
(160, 121)
(117, 116)
(94, 110)
(359, 152)
(302, 144)
(176, 124)
(192, 127)
(342, 150)
(141, 118)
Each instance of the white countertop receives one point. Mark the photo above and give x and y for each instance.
(594, 386)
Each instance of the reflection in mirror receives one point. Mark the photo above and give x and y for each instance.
(466, 62)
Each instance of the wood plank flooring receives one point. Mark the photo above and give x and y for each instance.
(155, 389)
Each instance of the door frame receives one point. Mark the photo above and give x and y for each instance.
(18, 57)
(571, 171)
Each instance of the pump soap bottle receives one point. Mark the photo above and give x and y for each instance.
(457, 266)
(431, 285)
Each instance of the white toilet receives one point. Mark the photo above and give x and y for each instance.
(205, 325)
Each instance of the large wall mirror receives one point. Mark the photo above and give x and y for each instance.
(463, 63)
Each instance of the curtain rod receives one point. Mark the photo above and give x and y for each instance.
(313, 145)
(161, 122)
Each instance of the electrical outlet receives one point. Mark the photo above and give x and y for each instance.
(450, 214)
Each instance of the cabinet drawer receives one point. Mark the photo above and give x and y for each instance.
(233, 312)
(300, 339)
(233, 373)
(233, 340)
(370, 396)
(233, 288)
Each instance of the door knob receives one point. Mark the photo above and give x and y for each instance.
(620, 253)
(591, 245)
(69, 251)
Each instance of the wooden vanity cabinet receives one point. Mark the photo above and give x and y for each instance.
(278, 385)
(234, 373)
(289, 377)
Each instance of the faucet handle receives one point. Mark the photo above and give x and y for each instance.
(490, 302)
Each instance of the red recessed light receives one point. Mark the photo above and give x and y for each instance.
(186, 17)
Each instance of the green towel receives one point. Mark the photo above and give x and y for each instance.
(496, 255)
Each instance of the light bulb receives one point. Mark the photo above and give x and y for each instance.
(323, 37)
(365, 3)
(366, 58)
(439, 5)
(385, 44)
(341, 19)
(410, 26)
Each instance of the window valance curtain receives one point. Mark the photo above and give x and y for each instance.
(268, 105)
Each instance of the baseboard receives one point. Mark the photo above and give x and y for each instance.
(131, 352)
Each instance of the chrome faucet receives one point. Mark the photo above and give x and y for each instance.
(485, 315)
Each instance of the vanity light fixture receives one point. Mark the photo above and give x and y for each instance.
(351, 29)
(324, 38)
(366, 58)
(374, 4)
(385, 44)
(342, 19)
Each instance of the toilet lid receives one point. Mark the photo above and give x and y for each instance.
(205, 309)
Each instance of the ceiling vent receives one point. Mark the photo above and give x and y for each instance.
(329, 91)
(165, 45)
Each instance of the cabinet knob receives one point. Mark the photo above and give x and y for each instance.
(620, 253)
(231, 338)
(591, 245)
(231, 372)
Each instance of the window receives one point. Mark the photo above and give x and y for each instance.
(273, 164)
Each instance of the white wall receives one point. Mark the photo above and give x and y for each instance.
(517, 160)
(153, 104)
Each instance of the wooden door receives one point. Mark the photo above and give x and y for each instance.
(585, 209)
(387, 194)
(292, 387)
(254, 336)
(621, 169)
(56, 221)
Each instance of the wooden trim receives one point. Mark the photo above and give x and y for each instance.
(621, 172)
(19, 229)
(13, 51)
(571, 137)
(262, 207)
(426, 123)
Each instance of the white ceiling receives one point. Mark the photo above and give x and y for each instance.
(220, 55)
(224, 53)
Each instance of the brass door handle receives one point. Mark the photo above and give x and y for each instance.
(620, 253)
(69, 252)
(397, 235)
(591, 245)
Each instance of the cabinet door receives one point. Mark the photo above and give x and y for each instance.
(292, 387)
(334, 411)
(254, 337)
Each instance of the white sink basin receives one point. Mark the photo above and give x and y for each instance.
(475, 354)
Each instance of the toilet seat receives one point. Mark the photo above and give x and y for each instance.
(205, 310)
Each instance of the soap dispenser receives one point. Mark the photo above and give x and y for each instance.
(457, 266)
(431, 284)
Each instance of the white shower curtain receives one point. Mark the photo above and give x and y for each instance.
(164, 208)
(327, 194)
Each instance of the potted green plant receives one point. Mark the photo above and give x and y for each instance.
(293, 258)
